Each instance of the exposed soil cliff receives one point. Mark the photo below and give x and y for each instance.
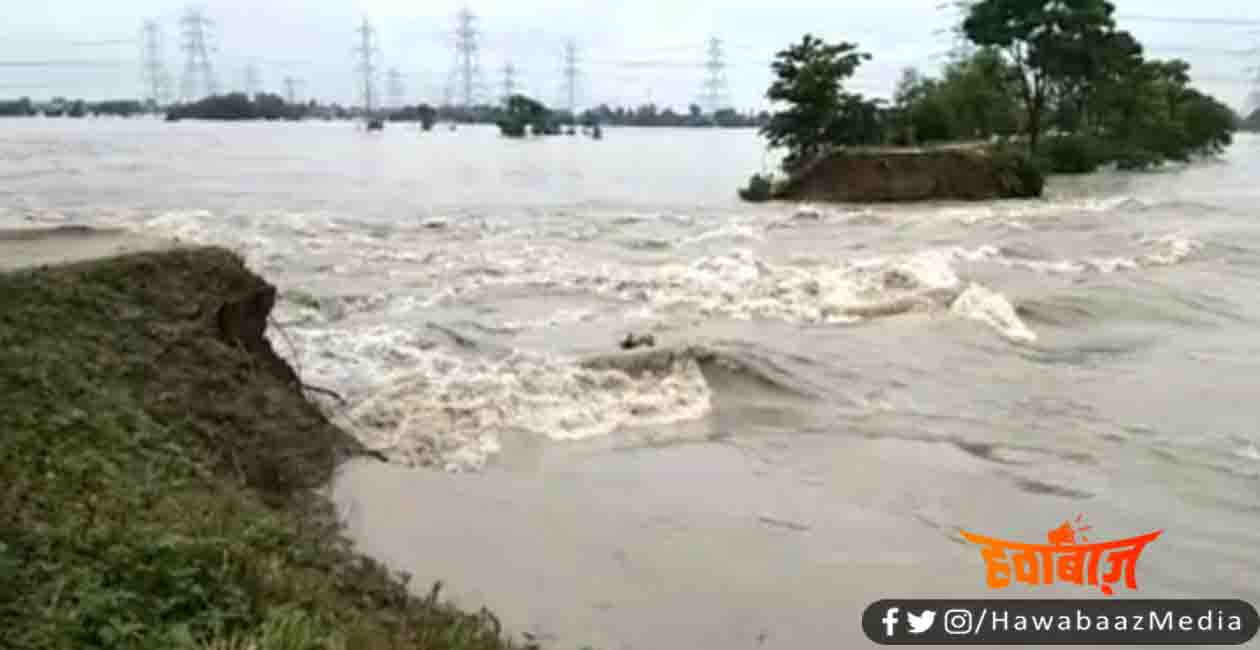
(156, 457)
(895, 174)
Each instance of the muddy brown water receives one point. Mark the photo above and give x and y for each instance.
(1093, 353)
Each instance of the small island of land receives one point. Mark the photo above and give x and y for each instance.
(1045, 89)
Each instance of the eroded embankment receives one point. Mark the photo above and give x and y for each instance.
(155, 473)
(906, 174)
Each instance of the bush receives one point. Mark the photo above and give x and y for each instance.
(1022, 174)
(760, 188)
(1137, 159)
(1073, 154)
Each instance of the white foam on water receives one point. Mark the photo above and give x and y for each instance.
(1250, 452)
(731, 231)
(983, 304)
(560, 317)
(450, 412)
(1167, 250)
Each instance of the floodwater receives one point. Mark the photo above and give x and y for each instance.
(835, 390)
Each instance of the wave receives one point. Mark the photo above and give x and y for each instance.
(716, 362)
(1166, 250)
(445, 401)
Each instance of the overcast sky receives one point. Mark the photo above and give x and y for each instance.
(629, 52)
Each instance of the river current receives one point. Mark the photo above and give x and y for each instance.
(834, 392)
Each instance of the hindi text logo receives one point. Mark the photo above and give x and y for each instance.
(1062, 559)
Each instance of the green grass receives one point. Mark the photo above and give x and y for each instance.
(154, 478)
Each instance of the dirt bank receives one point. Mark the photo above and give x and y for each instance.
(156, 466)
(893, 174)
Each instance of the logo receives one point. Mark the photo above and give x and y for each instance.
(921, 623)
(890, 620)
(1062, 558)
(958, 622)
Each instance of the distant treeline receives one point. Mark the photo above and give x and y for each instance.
(239, 106)
(643, 115)
(264, 106)
(70, 108)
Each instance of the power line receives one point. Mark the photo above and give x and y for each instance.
(104, 43)
(367, 65)
(1225, 22)
(199, 78)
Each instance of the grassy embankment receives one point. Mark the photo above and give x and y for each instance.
(155, 466)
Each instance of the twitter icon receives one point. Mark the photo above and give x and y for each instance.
(921, 623)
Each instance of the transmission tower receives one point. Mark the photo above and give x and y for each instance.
(509, 81)
(198, 72)
(253, 82)
(291, 86)
(715, 76)
(397, 93)
(571, 77)
(466, 47)
(156, 81)
(367, 65)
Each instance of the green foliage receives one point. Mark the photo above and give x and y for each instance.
(121, 107)
(1073, 154)
(653, 115)
(974, 100)
(143, 498)
(809, 79)
(760, 188)
(1048, 43)
(20, 108)
(239, 106)
(423, 113)
(524, 114)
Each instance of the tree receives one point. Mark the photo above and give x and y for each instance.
(819, 113)
(981, 94)
(524, 112)
(1051, 44)
(920, 114)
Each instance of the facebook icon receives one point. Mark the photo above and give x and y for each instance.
(890, 620)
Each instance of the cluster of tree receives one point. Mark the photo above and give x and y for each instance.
(644, 115)
(239, 106)
(1074, 76)
(1059, 77)
(19, 108)
(524, 115)
(423, 113)
(975, 99)
(60, 107)
(651, 115)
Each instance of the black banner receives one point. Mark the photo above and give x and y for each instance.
(1060, 622)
